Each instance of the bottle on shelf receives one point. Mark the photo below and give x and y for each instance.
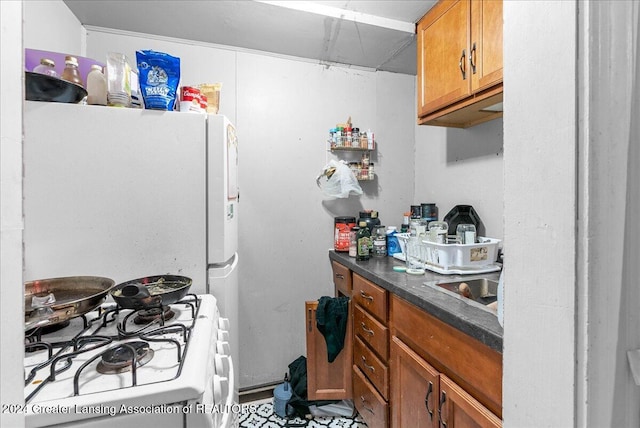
(96, 86)
(71, 72)
(47, 67)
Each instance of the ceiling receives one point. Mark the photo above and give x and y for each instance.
(377, 35)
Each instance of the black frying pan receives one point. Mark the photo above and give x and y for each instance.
(151, 291)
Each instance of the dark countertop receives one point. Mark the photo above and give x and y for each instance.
(467, 316)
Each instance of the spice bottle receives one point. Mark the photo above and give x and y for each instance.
(96, 86)
(71, 72)
(363, 240)
(47, 67)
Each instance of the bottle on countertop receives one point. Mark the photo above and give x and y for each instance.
(96, 86)
(405, 223)
(393, 245)
(379, 241)
(363, 239)
(71, 72)
(353, 241)
(47, 67)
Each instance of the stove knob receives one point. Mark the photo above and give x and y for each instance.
(223, 347)
(223, 335)
(222, 364)
(223, 323)
(217, 388)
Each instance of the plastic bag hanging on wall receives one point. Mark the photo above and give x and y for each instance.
(338, 181)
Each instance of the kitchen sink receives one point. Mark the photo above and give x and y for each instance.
(481, 290)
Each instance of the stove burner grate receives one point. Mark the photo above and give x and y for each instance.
(145, 316)
(118, 359)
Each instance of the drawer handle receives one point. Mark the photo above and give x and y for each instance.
(472, 58)
(367, 330)
(339, 276)
(364, 362)
(461, 64)
(364, 406)
(426, 400)
(443, 398)
(366, 296)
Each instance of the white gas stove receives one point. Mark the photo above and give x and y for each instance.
(82, 374)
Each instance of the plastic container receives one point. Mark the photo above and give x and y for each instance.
(47, 67)
(281, 396)
(96, 87)
(448, 256)
(342, 226)
(393, 245)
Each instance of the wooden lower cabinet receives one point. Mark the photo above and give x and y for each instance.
(371, 406)
(423, 397)
(414, 388)
(456, 408)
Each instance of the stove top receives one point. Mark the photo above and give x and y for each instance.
(77, 368)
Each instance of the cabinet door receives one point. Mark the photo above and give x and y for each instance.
(327, 381)
(485, 55)
(459, 409)
(443, 39)
(414, 389)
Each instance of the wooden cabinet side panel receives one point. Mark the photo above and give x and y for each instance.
(327, 381)
(462, 410)
(487, 34)
(414, 389)
(471, 364)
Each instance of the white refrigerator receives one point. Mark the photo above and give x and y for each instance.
(128, 193)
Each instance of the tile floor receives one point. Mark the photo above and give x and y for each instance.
(259, 414)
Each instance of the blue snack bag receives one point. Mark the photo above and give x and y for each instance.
(159, 79)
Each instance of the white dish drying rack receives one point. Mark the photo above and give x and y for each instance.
(451, 258)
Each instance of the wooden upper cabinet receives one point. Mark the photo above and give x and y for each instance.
(459, 58)
(443, 39)
(486, 44)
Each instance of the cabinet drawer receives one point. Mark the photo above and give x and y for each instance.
(341, 279)
(372, 332)
(372, 366)
(371, 406)
(371, 297)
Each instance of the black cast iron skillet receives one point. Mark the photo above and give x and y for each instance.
(151, 291)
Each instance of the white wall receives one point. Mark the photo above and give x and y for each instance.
(11, 225)
(462, 167)
(51, 26)
(540, 145)
(283, 109)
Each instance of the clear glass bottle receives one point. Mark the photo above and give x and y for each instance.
(353, 241)
(71, 72)
(47, 67)
(96, 86)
